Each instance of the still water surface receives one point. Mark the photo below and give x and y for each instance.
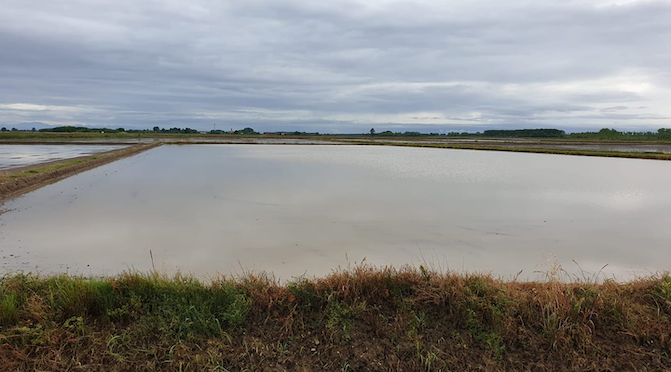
(294, 210)
(12, 156)
(662, 148)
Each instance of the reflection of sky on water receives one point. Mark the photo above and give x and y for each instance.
(21, 155)
(616, 200)
(210, 209)
(626, 147)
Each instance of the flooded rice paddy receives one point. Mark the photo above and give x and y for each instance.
(12, 156)
(661, 148)
(294, 210)
(179, 139)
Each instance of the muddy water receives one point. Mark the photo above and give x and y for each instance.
(12, 156)
(293, 210)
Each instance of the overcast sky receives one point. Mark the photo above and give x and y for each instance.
(336, 66)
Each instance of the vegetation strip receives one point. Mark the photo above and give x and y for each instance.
(361, 319)
(482, 142)
(14, 184)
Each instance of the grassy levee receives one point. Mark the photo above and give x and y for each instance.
(360, 319)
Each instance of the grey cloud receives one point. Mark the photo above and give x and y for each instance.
(614, 108)
(336, 65)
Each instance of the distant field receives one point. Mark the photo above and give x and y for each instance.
(55, 135)
(620, 150)
(627, 148)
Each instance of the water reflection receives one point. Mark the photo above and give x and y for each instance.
(21, 155)
(293, 210)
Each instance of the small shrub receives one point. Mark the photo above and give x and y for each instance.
(305, 296)
(341, 316)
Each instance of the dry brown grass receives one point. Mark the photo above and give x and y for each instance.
(357, 319)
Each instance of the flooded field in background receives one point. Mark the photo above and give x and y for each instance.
(531, 144)
(179, 139)
(12, 156)
(508, 142)
(294, 210)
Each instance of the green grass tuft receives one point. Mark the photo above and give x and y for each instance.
(9, 308)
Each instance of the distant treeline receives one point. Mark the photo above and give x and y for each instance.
(246, 131)
(402, 134)
(603, 134)
(72, 129)
(663, 134)
(528, 133)
(612, 134)
(294, 133)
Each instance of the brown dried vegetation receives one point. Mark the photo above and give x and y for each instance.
(358, 319)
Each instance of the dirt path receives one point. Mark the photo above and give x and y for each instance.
(21, 180)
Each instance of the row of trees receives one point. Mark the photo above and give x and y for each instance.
(247, 131)
(174, 130)
(513, 133)
(612, 134)
(389, 133)
(604, 134)
(520, 133)
(73, 129)
(527, 133)
(4, 129)
(294, 133)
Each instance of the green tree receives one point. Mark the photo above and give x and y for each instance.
(664, 133)
(156, 129)
(606, 133)
(247, 130)
(372, 131)
(3, 129)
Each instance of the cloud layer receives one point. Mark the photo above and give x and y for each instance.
(339, 66)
